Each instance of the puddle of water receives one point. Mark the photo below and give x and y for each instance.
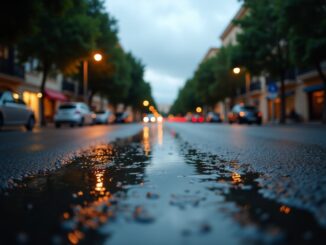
(150, 189)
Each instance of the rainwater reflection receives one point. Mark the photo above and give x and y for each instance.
(152, 188)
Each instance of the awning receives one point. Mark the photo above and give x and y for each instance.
(313, 88)
(55, 95)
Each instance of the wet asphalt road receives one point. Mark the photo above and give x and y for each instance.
(25, 153)
(177, 184)
(293, 158)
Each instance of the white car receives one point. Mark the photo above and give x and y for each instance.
(13, 111)
(104, 117)
(74, 113)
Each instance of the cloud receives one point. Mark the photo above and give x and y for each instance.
(171, 37)
(161, 85)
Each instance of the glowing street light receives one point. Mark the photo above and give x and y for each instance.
(16, 96)
(97, 57)
(145, 103)
(199, 109)
(236, 70)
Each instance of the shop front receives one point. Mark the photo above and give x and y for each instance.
(32, 100)
(274, 106)
(52, 101)
(316, 97)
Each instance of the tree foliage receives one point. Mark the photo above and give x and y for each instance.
(61, 34)
(213, 81)
(306, 35)
(61, 39)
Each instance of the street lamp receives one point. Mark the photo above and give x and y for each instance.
(97, 57)
(237, 70)
(199, 109)
(145, 103)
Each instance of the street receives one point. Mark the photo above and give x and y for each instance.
(171, 183)
(25, 153)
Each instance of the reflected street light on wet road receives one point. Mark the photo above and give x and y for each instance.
(97, 57)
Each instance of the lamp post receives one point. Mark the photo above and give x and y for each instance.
(97, 57)
(237, 70)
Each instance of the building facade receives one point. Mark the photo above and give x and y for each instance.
(25, 80)
(304, 89)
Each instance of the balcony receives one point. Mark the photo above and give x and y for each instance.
(68, 86)
(255, 86)
(290, 76)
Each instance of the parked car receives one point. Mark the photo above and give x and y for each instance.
(122, 117)
(14, 111)
(245, 114)
(104, 117)
(213, 117)
(74, 113)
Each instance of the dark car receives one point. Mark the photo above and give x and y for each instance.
(213, 117)
(122, 117)
(245, 114)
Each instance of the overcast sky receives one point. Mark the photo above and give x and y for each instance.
(170, 36)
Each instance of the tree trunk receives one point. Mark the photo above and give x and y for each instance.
(90, 99)
(283, 99)
(42, 90)
(323, 78)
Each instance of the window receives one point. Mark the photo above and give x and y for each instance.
(8, 97)
(65, 107)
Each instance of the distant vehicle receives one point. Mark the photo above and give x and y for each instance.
(245, 114)
(122, 117)
(213, 117)
(14, 111)
(152, 119)
(197, 118)
(104, 117)
(74, 113)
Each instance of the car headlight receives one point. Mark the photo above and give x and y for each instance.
(153, 119)
(145, 119)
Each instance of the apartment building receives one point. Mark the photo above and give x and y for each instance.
(304, 90)
(26, 80)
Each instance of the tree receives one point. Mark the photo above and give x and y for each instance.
(139, 90)
(307, 34)
(214, 78)
(61, 41)
(101, 74)
(187, 99)
(19, 19)
(263, 44)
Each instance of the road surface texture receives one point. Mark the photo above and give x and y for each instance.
(293, 158)
(171, 184)
(25, 153)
